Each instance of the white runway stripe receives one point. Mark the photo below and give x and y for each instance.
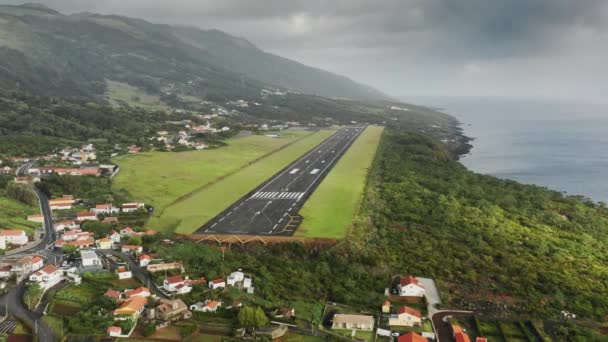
(278, 195)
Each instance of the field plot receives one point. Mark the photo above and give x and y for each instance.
(222, 186)
(331, 209)
(160, 178)
(13, 215)
(119, 93)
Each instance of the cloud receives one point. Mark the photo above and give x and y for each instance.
(405, 46)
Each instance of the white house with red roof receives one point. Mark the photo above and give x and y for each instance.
(410, 287)
(47, 277)
(114, 331)
(38, 218)
(105, 209)
(5, 272)
(128, 231)
(207, 306)
(405, 317)
(37, 263)
(131, 249)
(14, 236)
(176, 284)
(67, 224)
(144, 260)
(131, 207)
(141, 291)
(217, 284)
(114, 236)
(86, 215)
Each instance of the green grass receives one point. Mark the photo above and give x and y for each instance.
(55, 323)
(13, 215)
(291, 337)
(119, 93)
(159, 178)
(331, 209)
(202, 205)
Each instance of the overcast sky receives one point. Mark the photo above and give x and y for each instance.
(406, 48)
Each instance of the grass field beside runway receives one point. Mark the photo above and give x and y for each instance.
(192, 212)
(160, 178)
(329, 212)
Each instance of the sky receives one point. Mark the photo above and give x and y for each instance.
(555, 49)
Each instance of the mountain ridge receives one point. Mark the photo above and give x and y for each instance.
(75, 53)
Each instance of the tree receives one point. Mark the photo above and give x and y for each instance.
(32, 295)
(69, 249)
(252, 318)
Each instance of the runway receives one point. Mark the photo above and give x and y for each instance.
(272, 208)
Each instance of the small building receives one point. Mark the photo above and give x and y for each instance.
(411, 337)
(410, 287)
(208, 306)
(131, 249)
(5, 272)
(89, 258)
(164, 267)
(47, 277)
(62, 203)
(481, 339)
(124, 274)
(177, 285)
(172, 310)
(37, 263)
(459, 334)
(130, 308)
(86, 215)
(132, 207)
(105, 209)
(386, 307)
(144, 260)
(114, 236)
(114, 331)
(235, 277)
(14, 236)
(38, 218)
(67, 224)
(104, 243)
(217, 284)
(405, 317)
(353, 322)
(140, 291)
(111, 293)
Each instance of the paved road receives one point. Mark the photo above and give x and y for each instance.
(272, 208)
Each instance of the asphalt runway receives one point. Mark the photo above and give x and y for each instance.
(272, 208)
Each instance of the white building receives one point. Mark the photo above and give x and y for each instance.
(144, 260)
(217, 284)
(235, 277)
(131, 207)
(63, 225)
(410, 287)
(106, 209)
(89, 258)
(14, 236)
(207, 306)
(47, 277)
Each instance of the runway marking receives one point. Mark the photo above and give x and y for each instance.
(213, 225)
(294, 171)
(323, 161)
(314, 171)
(275, 195)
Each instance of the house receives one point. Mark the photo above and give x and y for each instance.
(81, 243)
(63, 225)
(481, 339)
(217, 284)
(110, 220)
(410, 287)
(285, 313)
(104, 243)
(459, 334)
(405, 317)
(130, 308)
(2, 242)
(411, 337)
(247, 282)
(5, 272)
(105, 209)
(164, 267)
(133, 149)
(235, 277)
(89, 258)
(37, 263)
(38, 218)
(114, 236)
(131, 207)
(123, 273)
(386, 307)
(5, 170)
(144, 260)
(62, 203)
(171, 310)
(14, 236)
(128, 231)
(208, 306)
(131, 249)
(140, 291)
(110, 293)
(86, 215)
(47, 277)
(353, 322)
(177, 284)
(114, 331)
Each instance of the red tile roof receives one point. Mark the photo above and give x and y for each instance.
(481, 339)
(11, 232)
(462, 337)
(145, 257)
(175, 279)
(48, 269)
(410, 280)
(112, 294)
(137, 291)
(408, 310)
(218, 281)
(411, 337)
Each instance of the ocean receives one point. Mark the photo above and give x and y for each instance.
(563, 146)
